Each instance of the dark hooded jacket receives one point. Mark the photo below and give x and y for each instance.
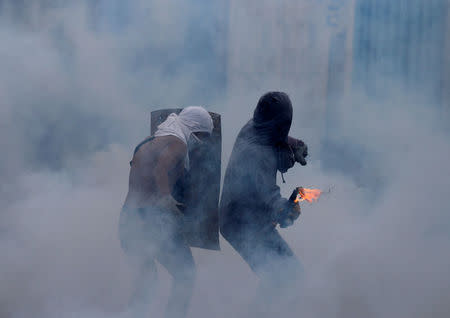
(250, 195)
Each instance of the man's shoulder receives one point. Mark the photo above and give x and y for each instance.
(161, 144)
(174, 144)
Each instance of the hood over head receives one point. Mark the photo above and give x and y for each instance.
(273, 117)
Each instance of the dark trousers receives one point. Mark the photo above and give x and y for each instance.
(147, 235)
(270, 258)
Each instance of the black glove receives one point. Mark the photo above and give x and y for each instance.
(290, 213)
(300, 150)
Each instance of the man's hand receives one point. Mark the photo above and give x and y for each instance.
(289, 215)
(300, 150)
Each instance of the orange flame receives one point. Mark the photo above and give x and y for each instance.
(310, 195)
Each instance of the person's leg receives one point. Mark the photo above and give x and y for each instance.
(265, 251)
(141, 252)
(176, 257)
(271, 258)
(144, 287)
(280, 270)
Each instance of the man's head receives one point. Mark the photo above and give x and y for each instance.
(192, 121)
(273, 117)
(199, 125)
(197, 119)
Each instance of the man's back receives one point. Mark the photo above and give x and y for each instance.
(250, 179)
(250, 195)
(155, 168)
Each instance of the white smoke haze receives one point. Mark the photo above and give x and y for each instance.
(76, 91)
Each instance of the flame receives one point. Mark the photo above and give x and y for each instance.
(310, 195)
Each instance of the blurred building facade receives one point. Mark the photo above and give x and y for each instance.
(302, 47)
(315, 49)
(405, 41)
(28, 14)
(320, 50)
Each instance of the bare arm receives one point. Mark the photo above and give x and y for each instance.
(169, 167)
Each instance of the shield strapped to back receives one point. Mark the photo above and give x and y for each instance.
(199, 189)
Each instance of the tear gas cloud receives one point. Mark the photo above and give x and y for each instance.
(78, 82)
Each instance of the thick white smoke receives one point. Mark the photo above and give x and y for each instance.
(76, 90)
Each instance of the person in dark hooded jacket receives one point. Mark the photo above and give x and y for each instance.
(251, 204)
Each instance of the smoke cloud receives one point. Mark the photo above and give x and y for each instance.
(78, 82)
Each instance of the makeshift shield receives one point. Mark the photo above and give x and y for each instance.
(199, 189)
